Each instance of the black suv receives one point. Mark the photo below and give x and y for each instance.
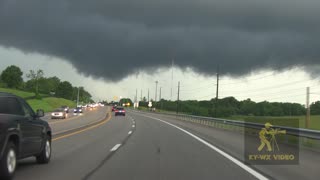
(22, 134)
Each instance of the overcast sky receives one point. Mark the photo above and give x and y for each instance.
(266, 50)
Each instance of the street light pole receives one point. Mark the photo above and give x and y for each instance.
(160, 99)
(155, 99)
(78, 96)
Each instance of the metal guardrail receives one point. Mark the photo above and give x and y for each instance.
(299, 132)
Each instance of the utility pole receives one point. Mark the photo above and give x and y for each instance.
(308, 108)
(136, 99)
(171, 79)
(217, 94)
(155, 99)
(148, 95)
(160, 98)
(141, 95)
(78, 96)
(178, 97)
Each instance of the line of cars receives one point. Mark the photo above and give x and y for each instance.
(63, 111)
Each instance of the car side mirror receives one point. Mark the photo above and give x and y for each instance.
(40, 113)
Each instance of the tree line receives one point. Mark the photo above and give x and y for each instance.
(12, 77)
(230, 106)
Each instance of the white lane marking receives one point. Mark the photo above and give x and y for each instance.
(130, 132)
(133, 126)
(234, 160)
(116, 147)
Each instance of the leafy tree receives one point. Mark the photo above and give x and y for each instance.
(247, 107)
(12, 77)
(230, 106)
(35, 79)
(315, 108)
(84, 96)
(49, 85)
(144, 99)
(64, 90)
(125, 101)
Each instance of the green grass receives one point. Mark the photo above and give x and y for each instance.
(22, 94)
(282, 121)
(289, 121)
(48, 104)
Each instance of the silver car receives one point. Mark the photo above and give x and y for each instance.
(59, 114)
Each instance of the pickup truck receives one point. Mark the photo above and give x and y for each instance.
(22, 134)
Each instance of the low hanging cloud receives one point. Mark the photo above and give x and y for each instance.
(112, 39)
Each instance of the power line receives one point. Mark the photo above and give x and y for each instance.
(178, 97)
(272, 87)
(274, 93)
(198, 88)
(263, 77)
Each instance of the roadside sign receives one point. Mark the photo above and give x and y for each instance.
(150, 104)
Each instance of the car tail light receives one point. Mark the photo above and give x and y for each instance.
(116, 111)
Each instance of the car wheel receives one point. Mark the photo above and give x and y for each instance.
(8, 163)
(45, 155)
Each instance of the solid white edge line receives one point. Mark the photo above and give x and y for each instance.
(115, 147)
(130, 132)
(234, 160)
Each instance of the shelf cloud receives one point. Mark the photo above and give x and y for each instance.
(112, 39)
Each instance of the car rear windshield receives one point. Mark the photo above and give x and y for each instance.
(10, 105)
(120, 108)
(59, 110)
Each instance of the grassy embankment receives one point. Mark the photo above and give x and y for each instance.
(48, 104)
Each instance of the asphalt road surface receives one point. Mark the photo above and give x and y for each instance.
(148, 146)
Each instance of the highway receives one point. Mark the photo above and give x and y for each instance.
(151, 146)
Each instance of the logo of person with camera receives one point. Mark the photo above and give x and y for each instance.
(268, 139)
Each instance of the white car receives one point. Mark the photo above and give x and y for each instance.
(59, 114)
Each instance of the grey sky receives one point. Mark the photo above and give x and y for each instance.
(95, 36)
(113, 40)
(287, 86)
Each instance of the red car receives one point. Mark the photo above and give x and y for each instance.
(120, 111)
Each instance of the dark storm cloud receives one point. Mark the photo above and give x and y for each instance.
(116, 38)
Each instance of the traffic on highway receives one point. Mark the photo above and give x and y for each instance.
(147, 145)
(159, 89)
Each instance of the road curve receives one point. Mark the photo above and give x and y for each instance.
(148, 146)
(132, 147)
